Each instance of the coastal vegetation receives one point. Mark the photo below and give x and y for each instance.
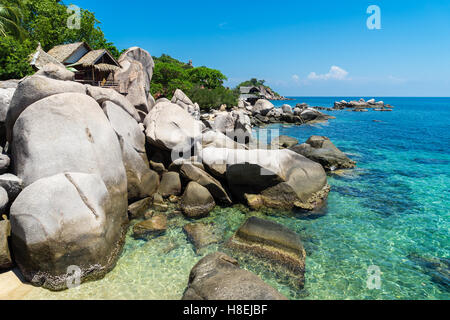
(24, 24)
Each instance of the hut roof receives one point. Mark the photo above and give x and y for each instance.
(91, 58)
(247, 90)
(65, 51)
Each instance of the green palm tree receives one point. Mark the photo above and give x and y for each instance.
(11, 19)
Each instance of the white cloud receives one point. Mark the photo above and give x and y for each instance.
(335, 73)
(295, 77)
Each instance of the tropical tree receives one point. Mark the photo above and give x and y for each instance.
(11, 18)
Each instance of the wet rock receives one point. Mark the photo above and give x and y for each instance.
(322, 150)
(219, 277)
(155, 226)
(201, 234)
(5, 255)
(273, 242)
(197, 201)
(170, 184)
(137, 209)
(284, 142)
(192, 173)
(12, 184)
(158, 203)
(283, 178)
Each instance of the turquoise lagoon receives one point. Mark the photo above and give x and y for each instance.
(394, 205)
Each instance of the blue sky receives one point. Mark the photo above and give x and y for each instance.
(304, 48)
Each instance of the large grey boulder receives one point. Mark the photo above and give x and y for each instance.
(55, 71)
(224, 122)
(193, 173)
(197, 201)
(32, 89)
(5, 100)
(104, 94)
(263, 107)
(283, 142)
(142, 56)
(63, 133)
(281, 178)
(65, 221)
(132, 81)
(142, 182)
(219, 277)
(126, 127)
(5, 254)
(287, 109)
(170, 184)
(322, 150)
(168, 126)
(12, 184)
(217, 139)
(274, 243)
(181, 99)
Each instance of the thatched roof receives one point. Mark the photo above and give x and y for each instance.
(40, 58)
(65, 51)
(91, 58)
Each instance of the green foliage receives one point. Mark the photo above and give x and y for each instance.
(213, 98)
(201, 84)
(11, 17)
(45, 21)
(14, 54)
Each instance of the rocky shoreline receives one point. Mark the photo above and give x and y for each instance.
(99, 159)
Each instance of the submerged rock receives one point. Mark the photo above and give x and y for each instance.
(201, 234)
(274, 242)
(196, 201)
(155, 226)
(137, 209)
(219, 277)
(322, 150)
(437, 268)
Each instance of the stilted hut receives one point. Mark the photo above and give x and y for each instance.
(94, 67)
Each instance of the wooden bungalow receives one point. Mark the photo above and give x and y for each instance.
(95, 67)
(250, 94)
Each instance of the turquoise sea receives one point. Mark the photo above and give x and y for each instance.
(390, 214)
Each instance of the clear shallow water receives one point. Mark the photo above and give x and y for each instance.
(394, 204)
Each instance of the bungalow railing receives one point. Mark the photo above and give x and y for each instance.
(104, 84)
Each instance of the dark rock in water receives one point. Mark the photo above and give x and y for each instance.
(201, 234)
(170, 184)
(155, 226)
(197, 201)
(192, 173)
(437, 268)
(284, 142)
(322, 150)
(137, 209)
(219, 277)
(273, 242)
(5, 255)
